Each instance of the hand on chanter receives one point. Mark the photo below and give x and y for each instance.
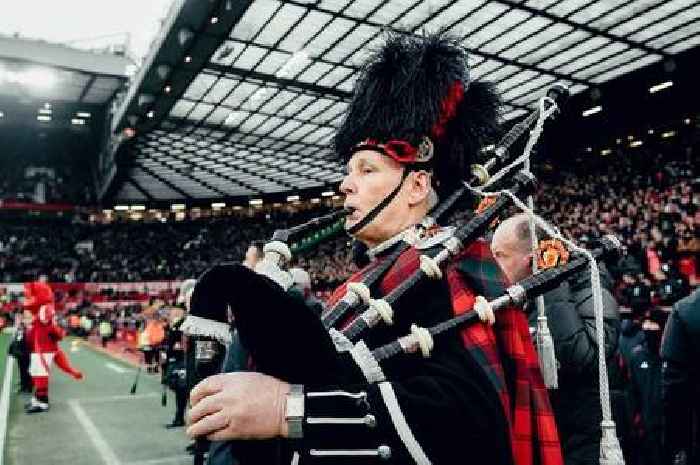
(242, 405)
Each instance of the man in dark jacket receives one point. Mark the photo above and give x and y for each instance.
(645, 368)
(19, 348)
(681, 380)
(571, 321)
(174, 368)
(631, 335)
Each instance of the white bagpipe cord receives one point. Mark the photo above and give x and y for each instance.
(610, 451)
(543, 337)
(534, 136)
(545, 344)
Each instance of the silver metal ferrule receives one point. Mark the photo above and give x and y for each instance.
(362, 395)
(368, 420)
(383, 452)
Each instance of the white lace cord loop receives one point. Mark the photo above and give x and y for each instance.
(360, 290)
(383, 308)
(430, 267)
(483, 308)
(534, 136)
(544, 342)
(424, 338)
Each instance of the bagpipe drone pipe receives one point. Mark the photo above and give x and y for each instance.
(462, 237)
(517, 295)
(286, 339)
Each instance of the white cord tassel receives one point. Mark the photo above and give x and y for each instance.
(543, 341)
(546, 354)
(610, 450)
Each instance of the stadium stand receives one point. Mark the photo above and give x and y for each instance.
(584, 203)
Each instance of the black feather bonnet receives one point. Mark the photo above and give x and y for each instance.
(416, 87)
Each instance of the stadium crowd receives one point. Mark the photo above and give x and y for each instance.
(652, 205)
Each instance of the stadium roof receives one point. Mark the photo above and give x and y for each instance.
(242, 98)
(52, 87)
(47, 72)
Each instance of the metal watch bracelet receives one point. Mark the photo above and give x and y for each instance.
(294, 411)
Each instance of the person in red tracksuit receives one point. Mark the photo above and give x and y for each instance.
(43, 338)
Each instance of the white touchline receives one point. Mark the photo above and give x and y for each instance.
(147, 395)
(5, 404)
(176, 459)
(115, 367)
(106, 452)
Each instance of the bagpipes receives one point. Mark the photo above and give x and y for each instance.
(233, 292)
(298, 348)
(287, 340)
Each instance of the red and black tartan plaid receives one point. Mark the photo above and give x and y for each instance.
(533, 432)
(405, 265)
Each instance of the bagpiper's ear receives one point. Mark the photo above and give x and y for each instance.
(419, 185)
(527, 260)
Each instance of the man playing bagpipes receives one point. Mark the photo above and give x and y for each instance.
(42, 338)
(412, 130)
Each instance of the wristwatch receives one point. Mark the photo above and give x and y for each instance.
(294, 411)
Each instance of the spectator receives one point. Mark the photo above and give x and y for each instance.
(681, 381)
(570, 316)
(645, 367)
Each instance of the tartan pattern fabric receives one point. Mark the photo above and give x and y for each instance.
(405, 265)
(509, 356)
(355, 278)
(505, 351)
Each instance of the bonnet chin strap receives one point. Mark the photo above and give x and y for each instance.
(369, 217)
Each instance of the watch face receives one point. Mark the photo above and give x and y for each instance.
(205, 350)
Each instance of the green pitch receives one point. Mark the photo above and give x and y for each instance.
(95, 421)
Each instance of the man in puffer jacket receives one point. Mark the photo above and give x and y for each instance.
(680, 352)
(571, 321)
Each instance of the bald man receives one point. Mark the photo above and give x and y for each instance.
(569, 310)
